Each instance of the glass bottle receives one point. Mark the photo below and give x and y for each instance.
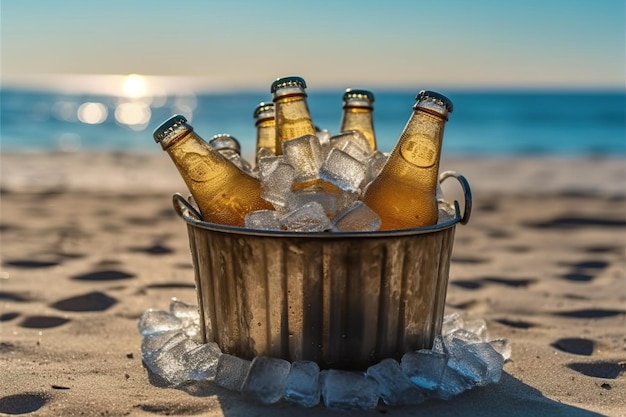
(265, 122)
(222, 191)
(357, 114)
(404, 192)
(230, 148)
(293, 119)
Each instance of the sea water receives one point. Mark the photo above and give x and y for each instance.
(492, 123)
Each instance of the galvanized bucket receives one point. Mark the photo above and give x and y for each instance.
(343, 300)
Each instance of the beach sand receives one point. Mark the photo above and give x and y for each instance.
(91, 241)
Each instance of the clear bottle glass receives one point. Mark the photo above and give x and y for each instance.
(357, 114)
(223, 192)
(293, 118)
(230, 148)
(265, 122)
(404, 192)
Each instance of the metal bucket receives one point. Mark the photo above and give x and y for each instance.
(343, 300)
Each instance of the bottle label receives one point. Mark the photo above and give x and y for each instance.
(197, 167)
(419, 151)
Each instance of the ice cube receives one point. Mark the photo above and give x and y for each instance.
(492, 359)
(424, 368)
(323, 135)
(263, 153)
(451, 322)
(446, 212)
(375, 164)
(463, 334)
(201, 362)
(344, 390)
(152, 343)
(477, 327)
(263, 220)
(305, 155)
(158, 321)
(357, 152)
(503, 347)
(267, 164)
(308, 218)
(395, 387)
(343, 170)
(267, 379)
(231, 372)
(277, 184)
(189, 316)
(168, 362)
(358, 217)
(303, 385)
(331, 202)
(466, 363)
(452, 383)
(338, 141)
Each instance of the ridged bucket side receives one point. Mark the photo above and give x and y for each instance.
(344, 303)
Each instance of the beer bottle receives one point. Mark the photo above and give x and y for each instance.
(404, 192)
(293, 119)
(265, 123)
(230, 149)
(357, 114)
(223, 192)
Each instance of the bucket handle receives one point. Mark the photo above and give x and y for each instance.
(181, 204)
(467, 192)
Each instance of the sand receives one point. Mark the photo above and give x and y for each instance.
(91, 241)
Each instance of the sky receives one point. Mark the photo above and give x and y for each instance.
(221, 45)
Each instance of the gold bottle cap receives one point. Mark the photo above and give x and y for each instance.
(425, 97)
(359, 94)
(287, 86)
(287, 82)
(264, 111)
(170, 129)
(358, 98)
(223, 141)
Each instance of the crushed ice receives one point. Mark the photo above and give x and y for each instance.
(462, 357)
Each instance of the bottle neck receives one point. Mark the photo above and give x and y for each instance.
(359, 118)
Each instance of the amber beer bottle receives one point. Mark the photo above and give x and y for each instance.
(265, 122)
(357, 114)
(404, 192)
(293, 118)
(223, 192)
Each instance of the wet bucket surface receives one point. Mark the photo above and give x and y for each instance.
(343, 300)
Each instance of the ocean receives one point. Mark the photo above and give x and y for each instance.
(483, 124)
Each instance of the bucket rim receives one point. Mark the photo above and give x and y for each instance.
(193, 218)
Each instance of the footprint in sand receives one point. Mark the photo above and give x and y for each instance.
(104, 275)
(8, 316)
(590, 313)
(22, 403)
(93, 301)
(517, 324)
(30, 263)
(43, 322)
(603, 369)
(575, 345)
(156, 249)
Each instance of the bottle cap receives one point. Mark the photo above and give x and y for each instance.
(358, 98)
(224, 141)
(170, 126)
(352, 93)
(436, 98)
(288, 82)
(264, 111)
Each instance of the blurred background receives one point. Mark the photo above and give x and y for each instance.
(532, 78)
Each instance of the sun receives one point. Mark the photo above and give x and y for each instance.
(135, 86)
